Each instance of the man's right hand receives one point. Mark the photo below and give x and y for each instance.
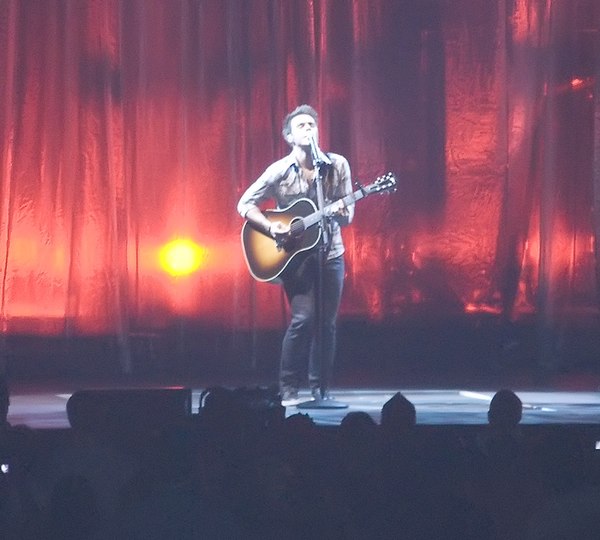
(278, 228)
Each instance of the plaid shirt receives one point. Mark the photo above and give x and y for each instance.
(284, 183)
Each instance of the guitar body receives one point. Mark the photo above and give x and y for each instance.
(266, 259)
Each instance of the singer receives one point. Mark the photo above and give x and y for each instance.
(284, 182)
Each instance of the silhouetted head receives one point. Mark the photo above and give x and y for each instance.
(357, 420)
(398, 414)
(506, 409)
(358, 428)
(300, 423)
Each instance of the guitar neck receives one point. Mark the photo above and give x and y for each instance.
(315, 217)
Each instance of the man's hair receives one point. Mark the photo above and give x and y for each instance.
(301, 109)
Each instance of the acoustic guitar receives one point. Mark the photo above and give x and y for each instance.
(269, 258)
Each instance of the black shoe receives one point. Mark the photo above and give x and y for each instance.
(316, 394)
(289, 397)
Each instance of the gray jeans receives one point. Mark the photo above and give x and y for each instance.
(300, 340)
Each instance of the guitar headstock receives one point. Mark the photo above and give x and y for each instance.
(382, 184)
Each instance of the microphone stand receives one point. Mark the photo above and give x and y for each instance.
(323, 401)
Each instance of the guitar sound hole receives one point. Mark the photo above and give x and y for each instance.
(296, 228)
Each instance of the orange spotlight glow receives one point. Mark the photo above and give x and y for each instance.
(577, 83)
(181, 257)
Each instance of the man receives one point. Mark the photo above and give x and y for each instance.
(285, 181)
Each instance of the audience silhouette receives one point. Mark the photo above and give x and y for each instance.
(20, 507)
(239, 468)
(398, 415)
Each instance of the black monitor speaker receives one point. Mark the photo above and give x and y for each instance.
(146, 408)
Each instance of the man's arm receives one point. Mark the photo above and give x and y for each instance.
(248, 206)
(345, 214)
(258, 219)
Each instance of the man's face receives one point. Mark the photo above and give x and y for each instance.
(302, 128)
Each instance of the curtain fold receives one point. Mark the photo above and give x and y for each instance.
(127, 125)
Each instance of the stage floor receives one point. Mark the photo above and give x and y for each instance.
(449, 369)
(45, 407)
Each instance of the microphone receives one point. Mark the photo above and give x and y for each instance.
(318, 157)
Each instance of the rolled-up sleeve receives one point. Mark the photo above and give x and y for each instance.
(264, 187)
(259, 191)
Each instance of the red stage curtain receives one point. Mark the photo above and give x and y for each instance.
(128, 124)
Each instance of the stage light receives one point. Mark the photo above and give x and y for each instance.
(181, 257)
(577, 83)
